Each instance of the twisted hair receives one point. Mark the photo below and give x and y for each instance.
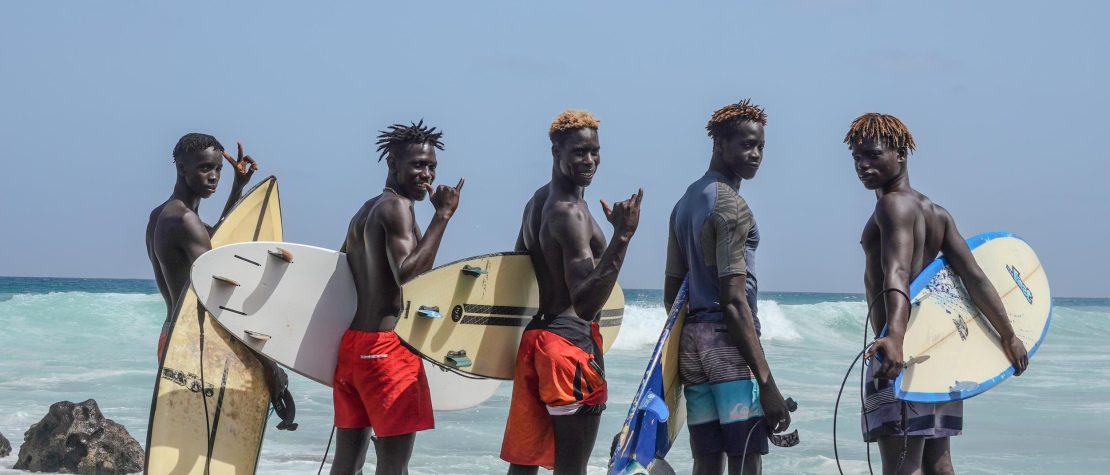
(400, 135)
(880, 127)
(724, 117)
(572, 119)
(194, 142)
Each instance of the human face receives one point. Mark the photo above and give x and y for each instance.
(577, 155)
(413, 170)
(877, 163)
(201, 171)
(741, 150)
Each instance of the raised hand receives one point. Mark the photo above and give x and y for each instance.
(445, 198)
(624, 215)
(244, 166)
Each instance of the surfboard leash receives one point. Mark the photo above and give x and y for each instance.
(326, 450)
(787, 440)
(441, 366)
(204, 397)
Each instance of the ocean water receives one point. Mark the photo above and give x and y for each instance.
(74, 339)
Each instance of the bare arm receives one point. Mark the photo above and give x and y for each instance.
(983, 294)
(895, 218)
(591, 285)
(742, 332)
(409, 256)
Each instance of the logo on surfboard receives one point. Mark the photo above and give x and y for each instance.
(1020, 283)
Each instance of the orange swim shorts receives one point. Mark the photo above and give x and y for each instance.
(559, 371)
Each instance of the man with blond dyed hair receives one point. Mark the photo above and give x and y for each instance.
(559, 387)
(732, 401)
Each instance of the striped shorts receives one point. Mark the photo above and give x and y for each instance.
(885, 415)
(722, 399)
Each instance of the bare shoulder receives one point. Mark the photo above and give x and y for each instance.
(390, 211)
(897, 208)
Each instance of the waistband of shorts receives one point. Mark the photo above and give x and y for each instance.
(385, 335)
(544, 321)
(705, 317)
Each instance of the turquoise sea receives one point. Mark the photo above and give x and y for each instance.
(74, 339)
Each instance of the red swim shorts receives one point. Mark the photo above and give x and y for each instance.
(380, 383)
(559, 371)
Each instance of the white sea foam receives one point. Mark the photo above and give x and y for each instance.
(642, 325)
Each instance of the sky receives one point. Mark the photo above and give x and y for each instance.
(1005, 99)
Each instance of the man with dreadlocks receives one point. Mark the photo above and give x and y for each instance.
(379, 383)
(732, 400)
(175, 237)
(559, 388)
(904, 234)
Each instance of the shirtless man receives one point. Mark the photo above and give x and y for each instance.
(379, 382)
(559, 388)
(904, 234)
(175, 237)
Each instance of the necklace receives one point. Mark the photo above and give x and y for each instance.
(391, 190)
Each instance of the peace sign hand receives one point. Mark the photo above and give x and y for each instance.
(244, 167)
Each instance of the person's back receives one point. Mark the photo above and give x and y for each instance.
(379, 294)
(905, 233)
(732, 401)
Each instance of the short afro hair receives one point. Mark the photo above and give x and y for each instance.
(728, 115)
(881, 127)
(194, 142)
(399, 135)
(572, 119)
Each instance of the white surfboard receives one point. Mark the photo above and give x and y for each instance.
(292, 303)
(959, 353)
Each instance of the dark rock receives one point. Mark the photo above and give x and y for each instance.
(5, 447)
(77, 438)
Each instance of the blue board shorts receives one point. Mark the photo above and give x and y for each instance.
(722, 399)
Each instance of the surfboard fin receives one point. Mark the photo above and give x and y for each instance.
(257, 336)
(458, 359)
(225, 280)
(430, 312)
(656, 405)
(282, 254)
(473, 271)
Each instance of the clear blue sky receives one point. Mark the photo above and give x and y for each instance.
(1007, 101)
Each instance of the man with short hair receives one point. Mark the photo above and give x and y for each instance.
(380, 383)
(732, 400)
(559, 388)
(176, 236)
(904, 234)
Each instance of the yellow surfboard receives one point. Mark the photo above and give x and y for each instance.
(206, 371)
(470, 314)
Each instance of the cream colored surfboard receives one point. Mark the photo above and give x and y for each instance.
(231, 389)
(471, 313)
(959, 352)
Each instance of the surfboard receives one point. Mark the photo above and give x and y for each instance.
(658, 410)
(300, 298)
(292, 303)
(958, 354)
(210, 403)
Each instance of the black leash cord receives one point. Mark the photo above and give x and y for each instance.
(326, 450)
